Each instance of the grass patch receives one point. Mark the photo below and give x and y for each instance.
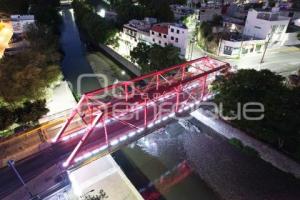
(6, 133)
(237, 143)
(243, 148)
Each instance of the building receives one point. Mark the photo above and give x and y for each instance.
(268, 25)
(21, 22)
(135, 31)
(170, 33)
(238, 45)
(232, 24)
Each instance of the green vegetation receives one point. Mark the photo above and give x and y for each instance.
(155, 57)
(27, 75)
(25, 78)
(98, 29)
(237, 143)
(244, 148)
(28, 114)
(204, 34)
(280, 125)
(128, 9)
(15, 6)
(101, 196)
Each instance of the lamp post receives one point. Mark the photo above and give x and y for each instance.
(11, 164)
(266, 47)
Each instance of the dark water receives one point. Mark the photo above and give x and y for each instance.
(75, 67)
(156, 164)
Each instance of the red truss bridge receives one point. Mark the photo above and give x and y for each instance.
(104, 120)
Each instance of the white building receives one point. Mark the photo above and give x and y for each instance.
(170, 33)
(236, 47)
(21, 22)
(134, 32)
(265, 25)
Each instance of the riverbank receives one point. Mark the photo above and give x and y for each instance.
(267, 153)
(105, 69)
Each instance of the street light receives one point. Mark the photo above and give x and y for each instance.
(266, 47)
(11, 164)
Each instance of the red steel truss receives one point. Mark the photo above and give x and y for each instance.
(153, 98)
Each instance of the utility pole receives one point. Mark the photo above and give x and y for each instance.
(11, 164)
(266, 47)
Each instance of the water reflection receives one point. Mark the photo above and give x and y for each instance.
(161, 158)
(74, 63)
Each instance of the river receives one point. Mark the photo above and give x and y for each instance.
(153, 156)
(75, 64)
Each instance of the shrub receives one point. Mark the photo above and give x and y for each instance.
(237, 143)
(250, 151)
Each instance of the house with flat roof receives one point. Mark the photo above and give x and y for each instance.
(266, 25)
(165, 34)
(21, 22)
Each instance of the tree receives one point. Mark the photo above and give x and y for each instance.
(155, 57)
(6, 118)
(163, 57)
(27, 76)
(98, 29)
(205, 36)
(16, 6)
(31, 112)
(281, 104)
(140, 55)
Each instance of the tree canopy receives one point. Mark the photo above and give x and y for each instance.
(128, 9)
(280, 125)
(97, 28)
(155, 57)
(26, 76)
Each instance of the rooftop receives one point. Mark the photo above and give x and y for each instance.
(21, 17)
(269, 15)
(161, 28)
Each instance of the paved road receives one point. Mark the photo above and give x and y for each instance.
(285, 60)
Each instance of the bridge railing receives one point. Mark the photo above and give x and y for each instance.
(99, 107)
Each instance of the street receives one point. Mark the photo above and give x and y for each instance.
(284, 60)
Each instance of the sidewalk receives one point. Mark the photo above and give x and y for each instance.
(130, 66)
(103, 173)
(267, 153)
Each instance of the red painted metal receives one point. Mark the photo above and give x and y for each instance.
(99, 107)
